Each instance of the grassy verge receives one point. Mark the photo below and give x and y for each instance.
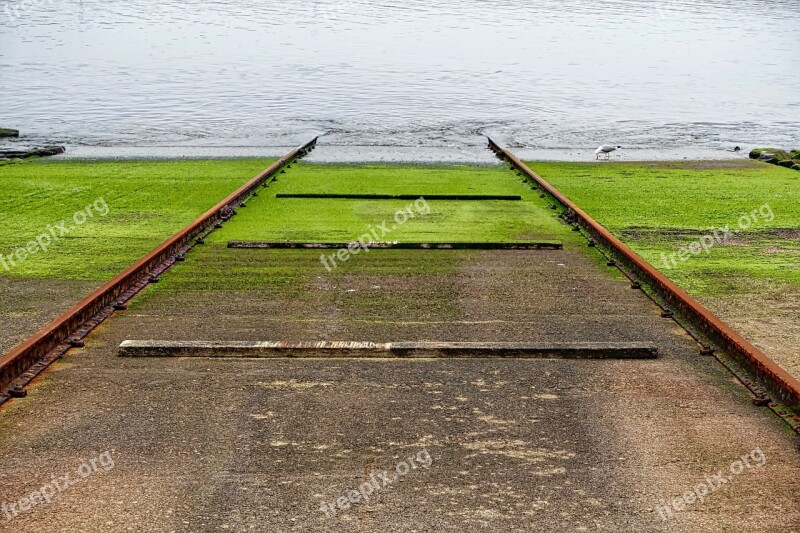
(659, 209)
(144, 202)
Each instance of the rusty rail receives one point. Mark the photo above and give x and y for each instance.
(782, 385)
(24, 362)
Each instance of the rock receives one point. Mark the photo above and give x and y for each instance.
(5, 132)
(777, 157)
(759, 153)
(33, 152)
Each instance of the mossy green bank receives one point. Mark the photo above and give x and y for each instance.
(147, 202)
(655, 208)
(660, 208)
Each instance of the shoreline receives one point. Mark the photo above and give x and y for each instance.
(720, 163)
(335, 151)
(388, 154)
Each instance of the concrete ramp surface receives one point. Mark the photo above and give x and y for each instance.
(463, 426)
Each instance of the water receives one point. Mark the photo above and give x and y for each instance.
(550, 78)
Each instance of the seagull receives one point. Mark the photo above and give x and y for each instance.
(606, 149)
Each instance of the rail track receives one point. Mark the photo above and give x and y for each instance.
(28, 359)
(770, 384)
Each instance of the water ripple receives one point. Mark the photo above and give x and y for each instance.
(541, 73)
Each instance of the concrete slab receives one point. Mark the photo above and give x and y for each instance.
(418, 350)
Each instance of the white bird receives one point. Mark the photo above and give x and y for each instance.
(606, 149)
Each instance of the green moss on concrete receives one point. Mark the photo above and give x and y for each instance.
(213, 267)
(268, 218)
(216, 268)
(147, 203)
(398, 179)
(659, 208)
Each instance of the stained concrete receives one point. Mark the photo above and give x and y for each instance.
(515, 445)
(27, 305)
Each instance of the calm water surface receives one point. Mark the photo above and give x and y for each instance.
(232, 77)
